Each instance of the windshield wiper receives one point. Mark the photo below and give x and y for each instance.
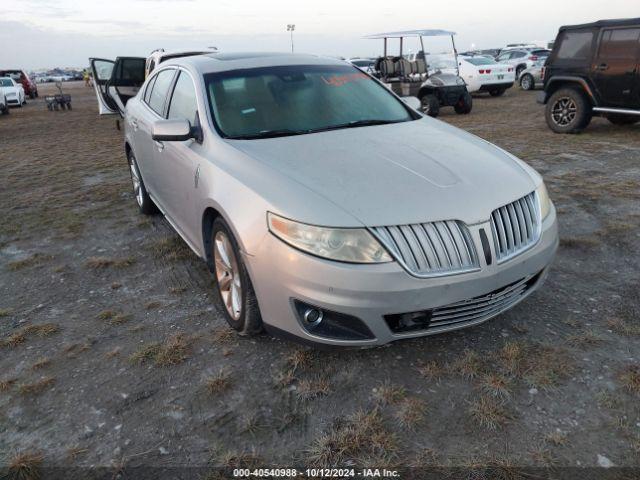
(355, 124)
(283, 132)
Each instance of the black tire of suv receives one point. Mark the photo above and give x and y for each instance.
(527, 82)
(623, 119)
(250, 321)
(464, 105)
(583, 113)
(430, 105)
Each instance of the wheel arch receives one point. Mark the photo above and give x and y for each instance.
(556, 83)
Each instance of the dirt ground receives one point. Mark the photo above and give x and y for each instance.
(114, 353)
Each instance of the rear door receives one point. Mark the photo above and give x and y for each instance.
(615, 67)
(117, 82)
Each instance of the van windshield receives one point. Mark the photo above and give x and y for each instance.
(299, 99)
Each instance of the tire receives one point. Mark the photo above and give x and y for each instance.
(623, 119)
(430, 105)
(32, 95)
(6, 111)
(145, 204)
(464, 105)
(527, 82)
(520, 69)
(568, 111)
(498, 92)
(239, 303)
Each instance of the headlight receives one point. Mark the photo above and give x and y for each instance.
(354, 245)
(545, 201)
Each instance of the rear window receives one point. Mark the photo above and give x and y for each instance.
(575, 45)
(620, 43)
(480, 61)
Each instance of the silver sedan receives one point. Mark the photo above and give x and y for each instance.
(327, 208)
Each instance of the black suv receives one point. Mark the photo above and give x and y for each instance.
(594, 69)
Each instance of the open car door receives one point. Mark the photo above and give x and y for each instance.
(116, 82)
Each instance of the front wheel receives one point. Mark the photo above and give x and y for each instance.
(527, 82)
(145, 204)
(234, 288)
(464, 105)
(568, 111)
(430, 105)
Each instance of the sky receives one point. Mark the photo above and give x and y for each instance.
(64, 33)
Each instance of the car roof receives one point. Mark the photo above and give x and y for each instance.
(619, 22)
(221, 62)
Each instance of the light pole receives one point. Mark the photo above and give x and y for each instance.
(290, 28)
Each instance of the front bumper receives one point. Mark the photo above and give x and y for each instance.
(281, 275)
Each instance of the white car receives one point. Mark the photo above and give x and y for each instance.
(522, 58)
(481, 74)
(484, 74)
(13, 91)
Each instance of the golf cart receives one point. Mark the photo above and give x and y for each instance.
(405, 77)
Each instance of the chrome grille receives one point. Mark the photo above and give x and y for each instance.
(515, 227)
(430, 249)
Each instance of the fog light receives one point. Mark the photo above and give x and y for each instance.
(313, 316)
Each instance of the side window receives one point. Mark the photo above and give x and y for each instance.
(160, 90)
(575, 45)
(130, 72)
(183, 101)
(503, 57)
(147, 92)
(518, 54)
(620, 43)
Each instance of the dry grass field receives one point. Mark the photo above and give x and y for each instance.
(114, 353)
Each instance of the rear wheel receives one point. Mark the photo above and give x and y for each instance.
(233, 285)
(145, 204)
(568, 111)
(527, 82)
(623, 119)
(464, 105)
(430, 105)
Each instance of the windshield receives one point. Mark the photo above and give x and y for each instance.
(5, 82)
(480, 61)
(441, 63)
(362, 63)
(298, 99)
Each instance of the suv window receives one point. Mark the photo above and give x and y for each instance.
(518, 54)
(575, 45)
(183, 101)
(147, 92)
(160, 90)
(620, 43)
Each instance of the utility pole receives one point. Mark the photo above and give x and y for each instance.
(290, 28)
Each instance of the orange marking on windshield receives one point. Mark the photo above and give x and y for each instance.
(340, 80)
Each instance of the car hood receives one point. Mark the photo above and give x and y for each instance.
(410, 172)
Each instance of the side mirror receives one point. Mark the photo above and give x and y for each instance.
(412, 102)
(172, 131)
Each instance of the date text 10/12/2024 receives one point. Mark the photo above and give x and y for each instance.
(315, 473)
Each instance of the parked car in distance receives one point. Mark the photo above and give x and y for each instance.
(20, 76)
(364, 64)
(328, 210)
(14, 93)
(482, 74)
(4, 106)
(593, 70)
(521, 59)
(531, 78)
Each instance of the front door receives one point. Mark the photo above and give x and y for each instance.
(615, 67)
(179, 162)
(102, 70)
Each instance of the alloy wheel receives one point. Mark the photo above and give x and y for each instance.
(564, 111)
(135, 180)
(228, 275)
(526, 82)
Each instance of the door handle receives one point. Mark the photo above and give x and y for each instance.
(602, 67)
(159, 145)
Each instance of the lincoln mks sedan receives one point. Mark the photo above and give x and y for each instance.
(327, 208)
